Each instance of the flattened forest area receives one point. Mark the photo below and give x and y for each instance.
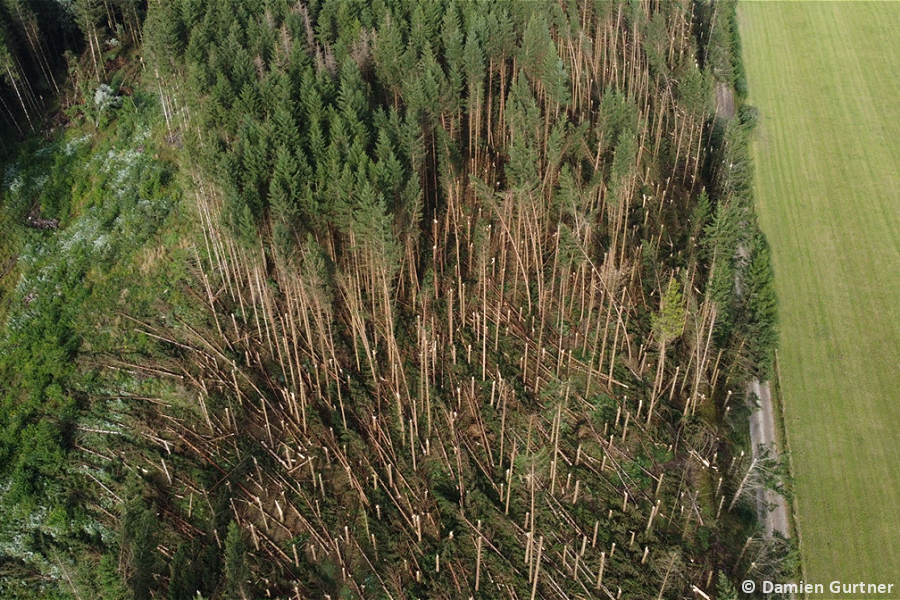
(379, 300)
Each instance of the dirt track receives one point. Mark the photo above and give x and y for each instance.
(762, 433)
(724, 101)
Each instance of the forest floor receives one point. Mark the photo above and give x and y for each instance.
(823, 75)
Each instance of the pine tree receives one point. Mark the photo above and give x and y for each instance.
(668, 324)
(725, 588)
(11, 73)
(237, 571)
(184, 581)
(353, 103)
(87, 14)
(762, 337)
(524, 123)
(701, 215)
(388, 53)
(109, 583)
(719, 246)
(452, 38)
(284, 198)
(140, 533)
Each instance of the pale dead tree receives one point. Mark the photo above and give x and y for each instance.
(762, 469)
(670, 565)
(771, 557)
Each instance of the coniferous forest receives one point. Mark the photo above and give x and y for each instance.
(379, 299)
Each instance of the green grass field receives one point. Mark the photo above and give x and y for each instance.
(826, 77)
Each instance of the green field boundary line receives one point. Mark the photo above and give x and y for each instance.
(785, 442)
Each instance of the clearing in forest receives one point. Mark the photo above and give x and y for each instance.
(824, 75)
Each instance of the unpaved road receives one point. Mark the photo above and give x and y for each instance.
(724, 101)
(762, 433)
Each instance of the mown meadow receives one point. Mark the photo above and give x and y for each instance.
(823, 76)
